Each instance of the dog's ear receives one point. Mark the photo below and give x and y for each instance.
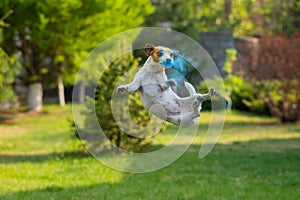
(149, 48)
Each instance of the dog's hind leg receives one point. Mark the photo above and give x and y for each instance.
(207, 96)
(202, 97)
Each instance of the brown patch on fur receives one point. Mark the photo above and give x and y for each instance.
(151, 50)
(156, 49)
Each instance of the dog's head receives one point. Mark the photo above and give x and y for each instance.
(160, 54)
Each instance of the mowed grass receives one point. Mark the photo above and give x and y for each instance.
(255, 158)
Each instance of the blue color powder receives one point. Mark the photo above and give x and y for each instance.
(178, 71)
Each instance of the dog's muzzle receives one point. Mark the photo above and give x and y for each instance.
(167, 63)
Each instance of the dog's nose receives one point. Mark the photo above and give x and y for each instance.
(169, 61)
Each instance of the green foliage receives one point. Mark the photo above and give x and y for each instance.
(8, 71)
(189, 17)
(103, 97)
(240, 92)
(250, 17)
(244, 17)
(280, 17)
(240, 17)
(55, 36)
(281, 97)
(230, 57)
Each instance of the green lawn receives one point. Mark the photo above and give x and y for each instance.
(256, 158)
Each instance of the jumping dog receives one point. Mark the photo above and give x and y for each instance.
(156, 90)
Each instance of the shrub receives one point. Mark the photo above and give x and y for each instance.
(8, 70)
(240, 94)
(278, 75)
(103, 98)
(275, 76)
(281, 97)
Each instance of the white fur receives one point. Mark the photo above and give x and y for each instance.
(160, 100)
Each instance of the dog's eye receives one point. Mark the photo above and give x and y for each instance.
(160, 53)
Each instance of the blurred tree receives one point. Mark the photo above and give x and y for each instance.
(189, 17)
(8, 71)
(244, 17)
(241, 17)
(279, 16)
(257, 17)
(54, 36)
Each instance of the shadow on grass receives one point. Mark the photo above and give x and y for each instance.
(258, 169)
(37, 158)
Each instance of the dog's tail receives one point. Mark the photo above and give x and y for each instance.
(190, 88)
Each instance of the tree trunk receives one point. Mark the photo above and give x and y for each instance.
(227, 9)
(35, 97)
(61, 91)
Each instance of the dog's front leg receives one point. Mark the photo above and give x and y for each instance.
(130, 88)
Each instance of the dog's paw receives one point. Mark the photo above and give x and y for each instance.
(212, 91)
(122, 89)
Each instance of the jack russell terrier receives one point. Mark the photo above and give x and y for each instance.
(156, 90)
